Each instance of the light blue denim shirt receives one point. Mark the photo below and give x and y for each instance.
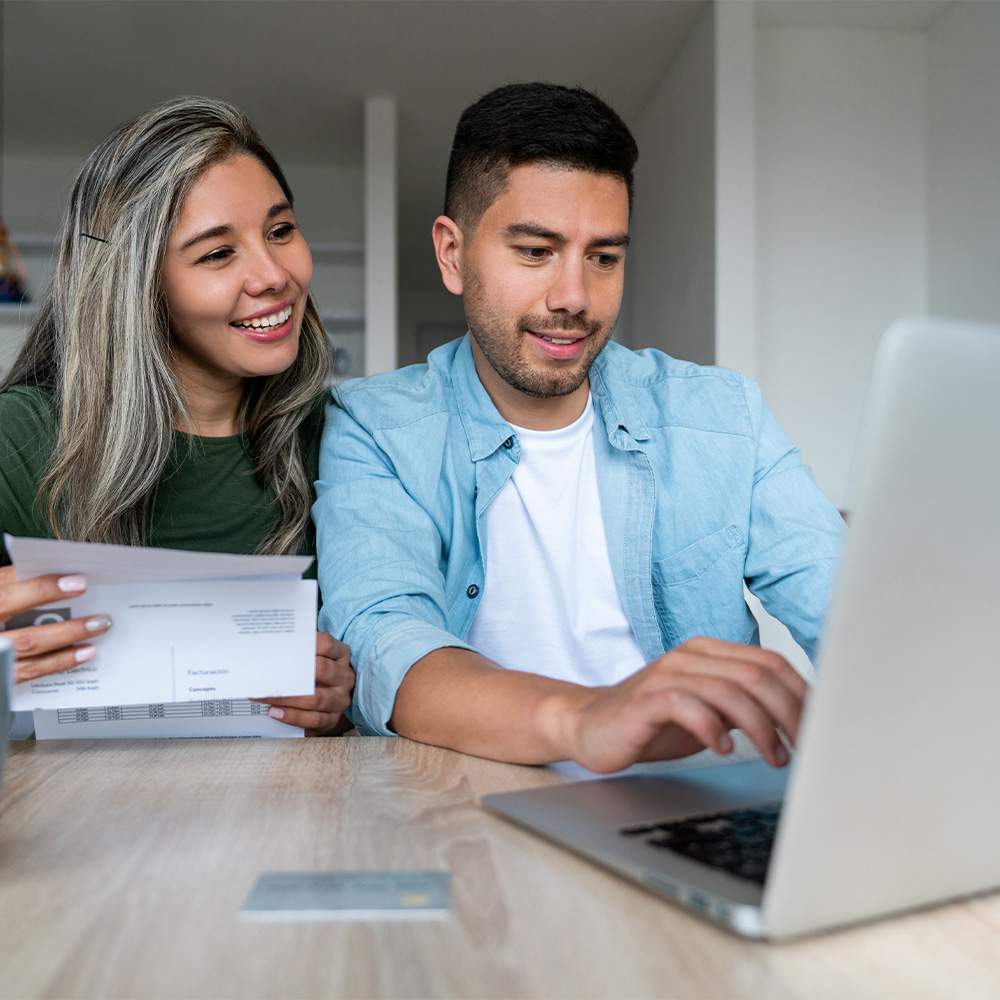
(700, 490)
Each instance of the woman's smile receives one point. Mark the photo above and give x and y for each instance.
(270, 327)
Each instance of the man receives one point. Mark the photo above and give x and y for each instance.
(526, 541)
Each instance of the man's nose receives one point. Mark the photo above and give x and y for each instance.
(568, 293)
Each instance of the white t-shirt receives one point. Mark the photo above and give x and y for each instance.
(549, 603)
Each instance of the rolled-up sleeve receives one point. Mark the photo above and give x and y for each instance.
(796, 533)
(380, 567)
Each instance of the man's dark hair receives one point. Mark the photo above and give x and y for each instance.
(532, 123)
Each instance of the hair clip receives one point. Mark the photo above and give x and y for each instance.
(89, 237)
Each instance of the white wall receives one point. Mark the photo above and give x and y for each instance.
(381, 236)
(875, 190)
(964, 162)
(841, 222)
(328, 197)
(329, 208)
(36, 189)
(807, 211)
(427, 319)
(672, 257)
(736, 336)
(807, 191)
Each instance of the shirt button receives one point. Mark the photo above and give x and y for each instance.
(509, 443)
(473, 590)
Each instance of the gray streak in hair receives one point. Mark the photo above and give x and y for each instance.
(102, 340)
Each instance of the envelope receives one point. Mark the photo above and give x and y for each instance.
(188, 626)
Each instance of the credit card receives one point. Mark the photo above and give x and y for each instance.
(345, 895)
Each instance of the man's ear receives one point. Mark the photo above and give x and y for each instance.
(448, 242)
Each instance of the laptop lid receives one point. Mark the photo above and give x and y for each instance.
(892, 795)
(894, 799)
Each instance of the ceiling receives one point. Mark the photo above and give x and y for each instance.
(74, 69)
(302, 68)
(886, 14)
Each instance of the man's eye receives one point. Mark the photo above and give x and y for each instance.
(606, 260)
(534, 253)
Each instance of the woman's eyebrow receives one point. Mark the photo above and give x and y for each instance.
(207, 234)
(277, 208)
(215, 231)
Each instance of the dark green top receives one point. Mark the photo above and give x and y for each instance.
(208, 499)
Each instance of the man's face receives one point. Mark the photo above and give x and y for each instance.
(541, 280)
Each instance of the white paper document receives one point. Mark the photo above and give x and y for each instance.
(132, 564)
(166, 721)
(188, 626)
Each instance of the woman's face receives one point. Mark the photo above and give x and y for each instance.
(236, 275)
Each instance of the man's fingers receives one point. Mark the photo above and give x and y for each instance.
(707, 687)
(327, 645)
(685, 709)
(709, 708)
(23, 595)
(742, 683)
(760, 678)
(742, 711)
(766, 658)
(334, 672)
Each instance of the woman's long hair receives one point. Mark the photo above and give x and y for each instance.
(102, 341)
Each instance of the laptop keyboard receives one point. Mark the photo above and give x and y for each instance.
(738, 841)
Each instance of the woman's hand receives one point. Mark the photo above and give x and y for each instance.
(47, 649)
(322, 713)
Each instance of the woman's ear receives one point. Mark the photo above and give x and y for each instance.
(448, 240)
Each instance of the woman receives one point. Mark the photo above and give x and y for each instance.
(170, 391)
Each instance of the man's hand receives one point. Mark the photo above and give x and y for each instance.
(687, 700)
(321, 713)
(684, 701)
(47, 649)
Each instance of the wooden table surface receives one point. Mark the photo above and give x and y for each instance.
(123, 866)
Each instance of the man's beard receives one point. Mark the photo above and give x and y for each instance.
(505, 356)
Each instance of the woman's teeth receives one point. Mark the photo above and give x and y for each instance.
(264, 322)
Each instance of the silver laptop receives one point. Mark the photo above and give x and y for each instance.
(893, 797)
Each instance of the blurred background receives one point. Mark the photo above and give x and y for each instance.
(810, 170)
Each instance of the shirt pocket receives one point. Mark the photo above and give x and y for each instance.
(699, 590)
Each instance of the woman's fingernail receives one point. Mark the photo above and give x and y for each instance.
(725, 743)
(99, 623)
(72, 584)
(781, 755)
(84, 653)
(275, 712)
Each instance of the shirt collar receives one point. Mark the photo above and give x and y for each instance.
(487, 430)
(484, 427)
(613, 396)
